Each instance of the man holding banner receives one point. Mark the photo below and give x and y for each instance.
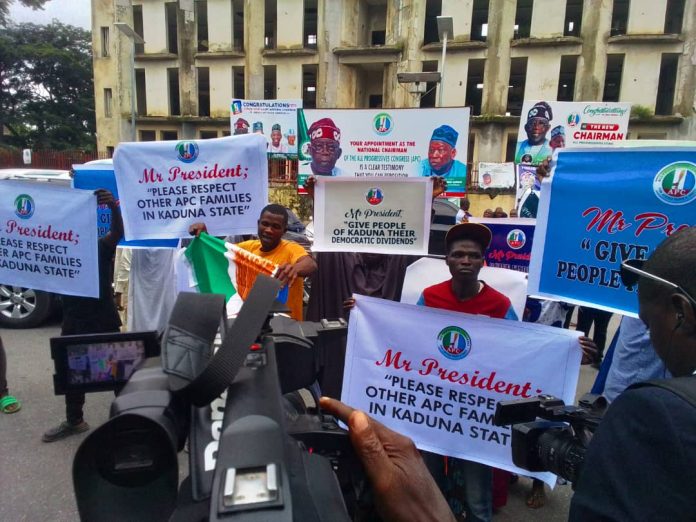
(466, 245)
(85, 315)
(294, 263)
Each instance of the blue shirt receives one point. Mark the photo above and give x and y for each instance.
(634, 360)
(457, 169)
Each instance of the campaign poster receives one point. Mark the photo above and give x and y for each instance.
(546, 126)
(511, 246)
(166, 186)
(526, 181)
(396, 143)
(601, 207)
(48, 238)
(275, 120)
(379, 215)
(496, 175)
(436, 376)
(93, 177)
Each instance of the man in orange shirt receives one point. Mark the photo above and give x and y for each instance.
(294, 263)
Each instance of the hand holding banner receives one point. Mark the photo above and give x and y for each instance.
(48, 238)
(166, 186)
(380, 215)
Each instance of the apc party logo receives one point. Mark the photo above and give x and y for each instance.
(374, 196)
(187, 151)
(236, 107)
(382, 124)
(454, 343)
(675, 184)
(573, 119)
(24, 206)
(516, 239)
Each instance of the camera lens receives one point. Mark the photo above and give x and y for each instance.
(561, 453)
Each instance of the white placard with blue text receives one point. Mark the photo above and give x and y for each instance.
(436, 376)
(48, 238)
(166, 186)
(601, 206)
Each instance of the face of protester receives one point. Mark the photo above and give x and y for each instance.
(488, 213)
(324, 153)
(557, 142)
(464, 259)
(440, 156)
(271, 230)
(536, 129)
(275, 137)
(673, 338)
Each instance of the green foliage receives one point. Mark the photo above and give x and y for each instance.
(641, 111)
(46, 86)
(5, 8)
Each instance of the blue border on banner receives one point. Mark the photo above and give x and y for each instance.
(89, 178)
(602, 206)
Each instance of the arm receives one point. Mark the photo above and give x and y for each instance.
(115, 233)
(303, 267)
(404, 489)
(197, 228)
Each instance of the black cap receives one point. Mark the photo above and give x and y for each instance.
(477, 232)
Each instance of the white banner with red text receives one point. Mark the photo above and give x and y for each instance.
(380, 215)
(166, 186)
(436, 376)
(48, 238)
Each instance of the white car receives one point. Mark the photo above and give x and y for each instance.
(23, 307)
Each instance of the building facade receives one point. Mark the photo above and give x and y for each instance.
(199, 54)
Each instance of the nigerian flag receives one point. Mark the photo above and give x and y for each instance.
(223, 268)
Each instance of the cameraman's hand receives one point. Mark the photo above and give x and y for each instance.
(404, 489)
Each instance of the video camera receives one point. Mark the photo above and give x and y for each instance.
(559, 442)
(254, 453)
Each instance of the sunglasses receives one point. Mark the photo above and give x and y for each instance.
(632, 270)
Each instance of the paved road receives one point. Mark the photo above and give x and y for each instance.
(36, 478)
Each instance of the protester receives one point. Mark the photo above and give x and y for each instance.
(324, 147)
(586, 317)
(8, 403)
(294, 263)
(513, 213)
(466, 245)
(463, 213)
(499, 213)
(152, 288)
(122, 264)
(488, 213)
(641, 462)
(441, 155)
(536, 145)
(86, 315)
(276, 137)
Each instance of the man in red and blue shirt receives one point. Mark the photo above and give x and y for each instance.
(468, 485)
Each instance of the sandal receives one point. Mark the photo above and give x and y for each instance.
(9, 404)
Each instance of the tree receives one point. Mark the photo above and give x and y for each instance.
(5, 8)
(46, 86)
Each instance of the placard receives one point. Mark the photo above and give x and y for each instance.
(602, 206)
(396, 143)
(380, 215)
(496, 175)
(511, 246)
(436, 376)
(48, 238)
(166, 186)
(546, 126)
(275, 120)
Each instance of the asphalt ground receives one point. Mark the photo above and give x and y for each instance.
(36, 477)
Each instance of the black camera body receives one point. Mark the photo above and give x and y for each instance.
(254, 453)
(558, 442)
